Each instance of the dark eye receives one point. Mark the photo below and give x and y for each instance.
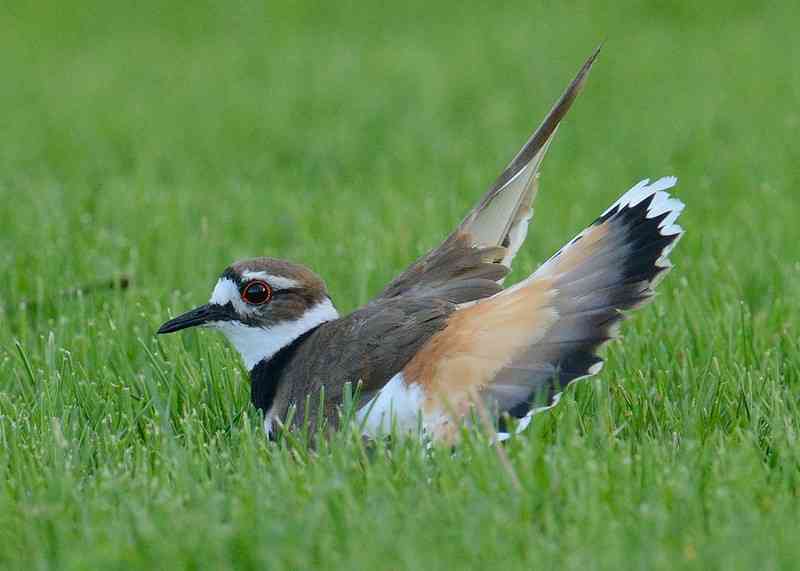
(257, 292)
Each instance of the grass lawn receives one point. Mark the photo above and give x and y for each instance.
(161, 141)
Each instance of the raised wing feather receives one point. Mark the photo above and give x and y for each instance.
(484, 244)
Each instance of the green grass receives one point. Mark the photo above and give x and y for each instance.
(163, 141)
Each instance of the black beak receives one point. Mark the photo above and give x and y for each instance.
(195, 317)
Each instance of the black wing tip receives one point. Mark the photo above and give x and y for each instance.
(564, 103)
(595, 53)
(548, 127)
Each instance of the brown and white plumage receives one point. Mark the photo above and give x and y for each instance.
(445, 338)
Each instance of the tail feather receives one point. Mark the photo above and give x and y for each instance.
(516, 351)
(610, 267)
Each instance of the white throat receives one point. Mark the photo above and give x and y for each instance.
(256, 344)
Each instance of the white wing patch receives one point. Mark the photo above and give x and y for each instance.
(516, 236)
(508, 213)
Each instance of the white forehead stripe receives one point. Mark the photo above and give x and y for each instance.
(277, 282)
(224, 291)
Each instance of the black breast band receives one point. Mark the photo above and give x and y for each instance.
(266, 376)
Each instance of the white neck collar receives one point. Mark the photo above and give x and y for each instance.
(256, 344)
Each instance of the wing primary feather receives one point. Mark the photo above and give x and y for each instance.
(486, 241)
(540, 138)
(501, 216)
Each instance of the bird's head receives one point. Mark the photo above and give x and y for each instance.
(261, 305)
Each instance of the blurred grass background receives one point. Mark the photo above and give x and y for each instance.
(163, 140)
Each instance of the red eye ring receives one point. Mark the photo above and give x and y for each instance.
(256, 292)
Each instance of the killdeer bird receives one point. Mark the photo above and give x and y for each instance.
(445, 338)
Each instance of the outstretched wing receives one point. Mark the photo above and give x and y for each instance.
(520, 349)
(484, 244)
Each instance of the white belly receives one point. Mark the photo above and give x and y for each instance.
(397, 406)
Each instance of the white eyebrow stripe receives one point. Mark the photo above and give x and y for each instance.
(277, 282)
